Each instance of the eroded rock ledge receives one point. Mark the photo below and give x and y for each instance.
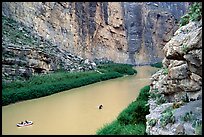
(176, 90)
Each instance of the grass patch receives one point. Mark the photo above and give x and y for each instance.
(43, 85)
(157, 65)
(167, 117)
(131, 121)
(115, 67)
(115, 128)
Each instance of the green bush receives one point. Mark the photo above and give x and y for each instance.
(198, 130)
(187, 117)
(165, 71)
(144, 93)
(152, 122)
(120, 68)
(167, 117)
(195, 11)
(160, 100)
(184, 48)
(194, 14)
(157, 65)
(184, 20)
(197, 124)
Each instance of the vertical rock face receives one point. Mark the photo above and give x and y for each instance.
(150, 25)
(87, 29)
(179, 85)
(122, 32)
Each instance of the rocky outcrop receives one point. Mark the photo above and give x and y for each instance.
(121, 32)
(25, 54)
(91, 30)
(176, 89)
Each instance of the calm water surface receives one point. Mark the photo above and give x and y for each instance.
(75, 111)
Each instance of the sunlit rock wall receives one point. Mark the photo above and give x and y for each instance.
(124, 32)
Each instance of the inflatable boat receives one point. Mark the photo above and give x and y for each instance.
(28, 123)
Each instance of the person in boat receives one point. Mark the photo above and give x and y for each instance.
(26, 121)
(22, 122)
(100, 106)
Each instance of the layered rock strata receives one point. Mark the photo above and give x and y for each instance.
(25, 54)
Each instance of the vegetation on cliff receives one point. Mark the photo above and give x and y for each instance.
(25, 53)
(194, 14)
(131, 121)
(43, 85)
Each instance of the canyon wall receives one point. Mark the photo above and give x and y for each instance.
(150, 25)
(87, 29)
(124, 32)
(39, 37)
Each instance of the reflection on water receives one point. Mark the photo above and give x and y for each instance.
(75, 111)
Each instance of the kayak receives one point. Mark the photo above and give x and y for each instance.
(24, 124)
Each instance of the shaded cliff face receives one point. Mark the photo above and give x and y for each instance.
(150, 25)
(122, 32)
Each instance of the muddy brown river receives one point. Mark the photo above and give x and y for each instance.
(75, 112)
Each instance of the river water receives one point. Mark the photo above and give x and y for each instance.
(75, 112)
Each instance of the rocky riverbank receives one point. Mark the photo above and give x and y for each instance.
(176, 90)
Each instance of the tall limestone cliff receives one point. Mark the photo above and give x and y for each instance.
(87, 29)
(176, 90)
(150, 25)
(123, 32)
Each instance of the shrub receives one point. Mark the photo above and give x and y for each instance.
(198, 130)
(184, 48)
(197, 124)
(184, 20)
(187, 117)
(167, 117)
(155, 95)
(195, 11)
(165, 71)
(160, 100)
(168, 109)
(194, 14)
(157, 65)
(152, 122)
(144, 93)
(120, 68)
